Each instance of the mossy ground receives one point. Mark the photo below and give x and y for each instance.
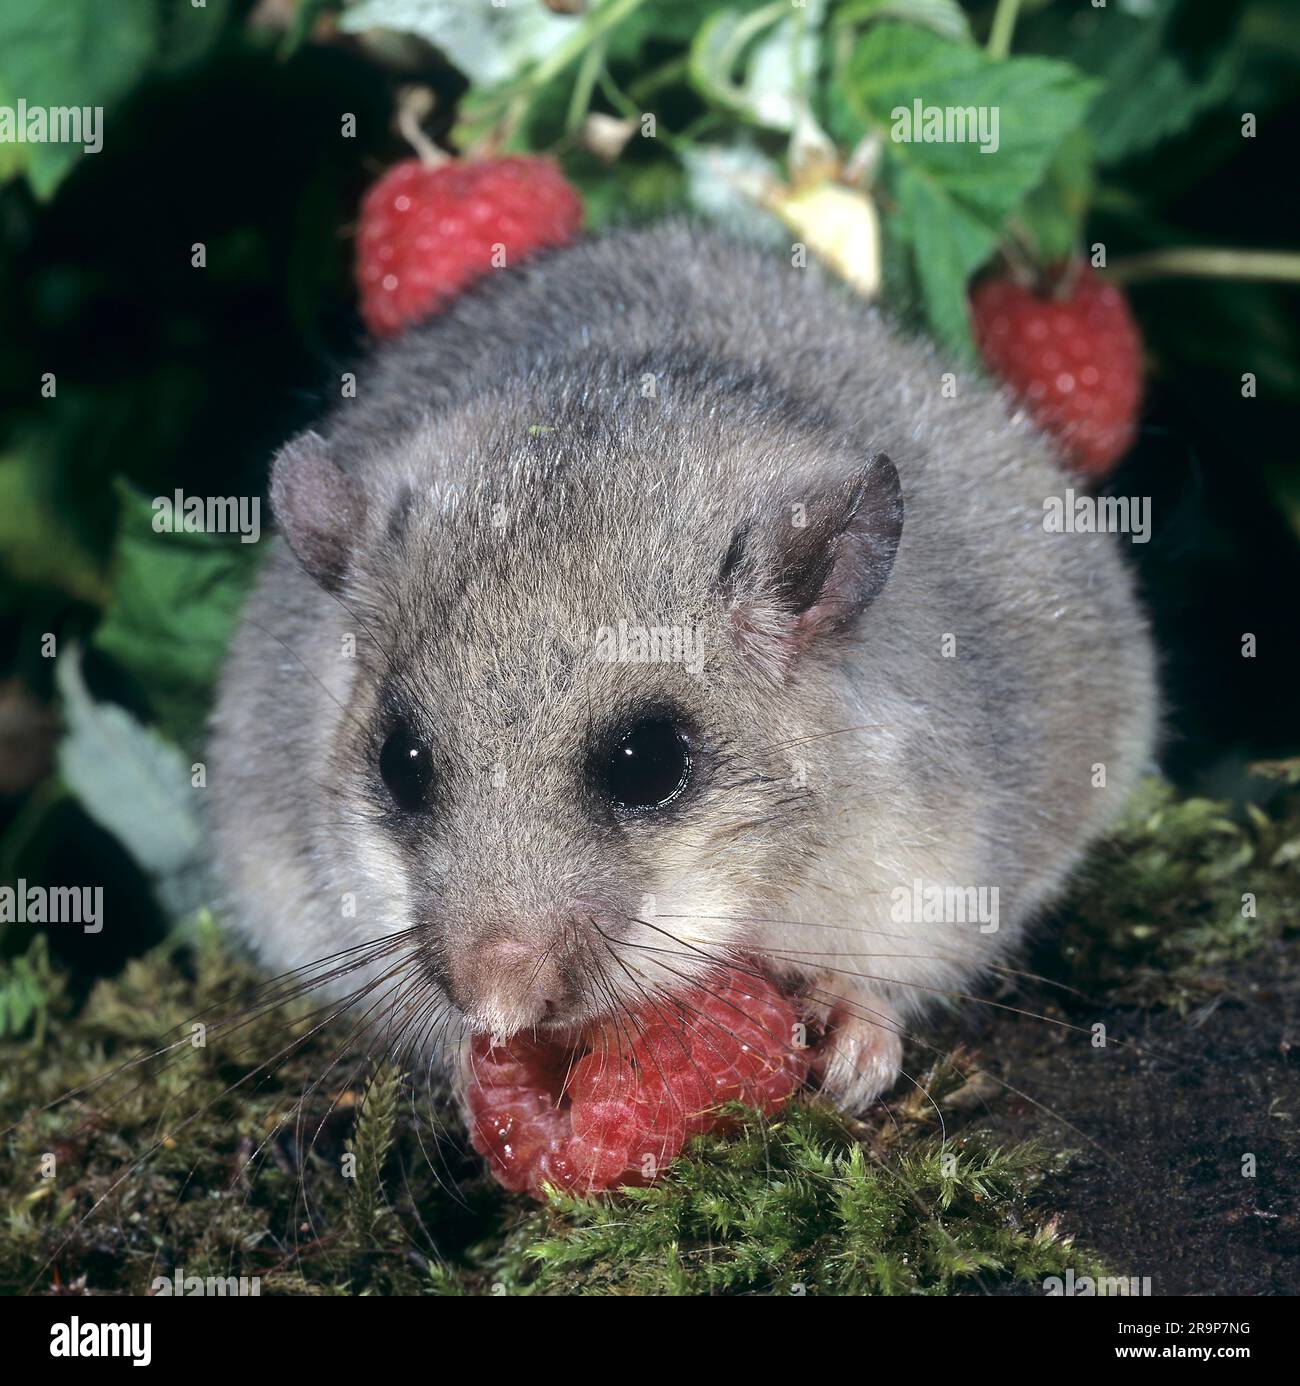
(1020, 1142)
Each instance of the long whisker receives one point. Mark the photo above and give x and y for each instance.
(1000, 968)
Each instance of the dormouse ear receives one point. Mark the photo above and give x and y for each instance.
(810, 567)
(316, 508)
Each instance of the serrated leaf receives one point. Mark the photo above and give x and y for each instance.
(891, 62)
(135, 784)
(948, 245)
(1038, 102)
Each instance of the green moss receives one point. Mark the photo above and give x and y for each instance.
(797, 1206)
(192, 1160)
(255, 1147)
(1182, 889)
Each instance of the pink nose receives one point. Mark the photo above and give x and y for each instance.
(504, 985)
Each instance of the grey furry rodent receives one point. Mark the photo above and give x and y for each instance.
(905, 677)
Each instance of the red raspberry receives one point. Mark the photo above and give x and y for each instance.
(1075, 362)
(597, 1166)
(606, 1123)
(427, 231)
(601, 1076)
(515, 1062)
(554, 1167)
(663, 1048)
(615, 1106)
(662, 1122)
(672, 1072)
(744, 1047)
(597, 1114)
(512, 1128)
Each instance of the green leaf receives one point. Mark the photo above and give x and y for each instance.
(135, 784)
(39, 546)
(489, 43)
(891, 63)
(777, 71)
(190, 33)
(174, 603)
(74, 53)
(948, 245)
(954, 196)
(944, 17)
(1053, 214)
(1158, 73)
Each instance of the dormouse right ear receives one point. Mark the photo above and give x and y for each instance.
(809, 566)
(315, 507)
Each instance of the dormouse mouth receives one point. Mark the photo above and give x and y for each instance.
(613, 1103)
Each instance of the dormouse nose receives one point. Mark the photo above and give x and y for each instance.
(504, 984)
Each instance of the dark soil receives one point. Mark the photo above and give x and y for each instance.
(1163, 1119)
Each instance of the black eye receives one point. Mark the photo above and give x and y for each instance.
(647, 765)
(407, 768)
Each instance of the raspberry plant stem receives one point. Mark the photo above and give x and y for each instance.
(414, 104)
(589, 70)
(1004, 26)
(1201, 262)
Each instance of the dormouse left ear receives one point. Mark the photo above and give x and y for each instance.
(317, 508)
(809, 568)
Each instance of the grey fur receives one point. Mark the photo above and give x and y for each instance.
(827, 776)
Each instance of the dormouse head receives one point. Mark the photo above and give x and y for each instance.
(598, 638)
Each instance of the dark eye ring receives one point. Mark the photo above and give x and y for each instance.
(647, 766)
(407, 769)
